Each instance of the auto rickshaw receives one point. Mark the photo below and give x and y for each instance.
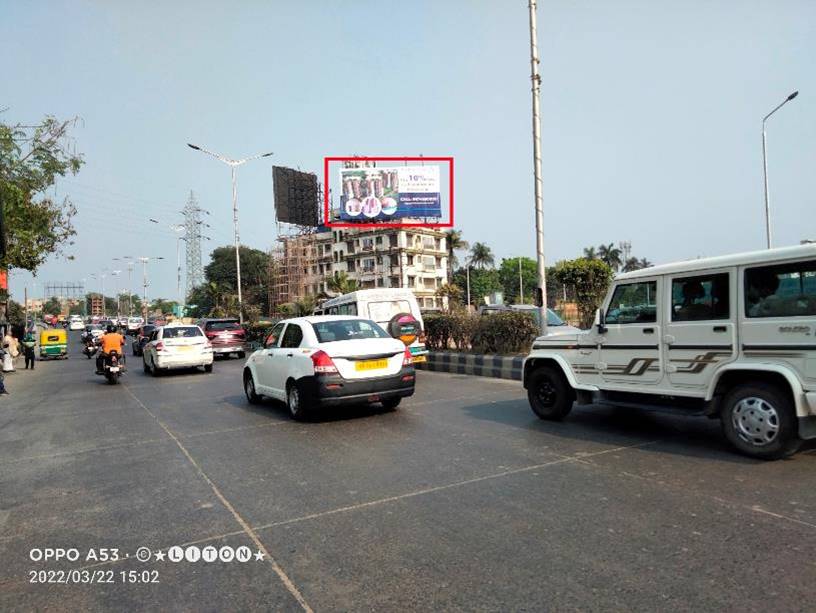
(53, 343)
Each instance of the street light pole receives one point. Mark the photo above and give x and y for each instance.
(233, 164)
(539, 205)
(467, 275)
(765, 167)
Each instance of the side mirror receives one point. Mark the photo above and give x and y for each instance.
(600, 321)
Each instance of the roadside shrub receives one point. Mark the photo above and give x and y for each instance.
(504, 332)
(591, 279)
(509, 332)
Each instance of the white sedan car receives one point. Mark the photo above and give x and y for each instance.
(329, 360)
(75, 323)
(177, 346)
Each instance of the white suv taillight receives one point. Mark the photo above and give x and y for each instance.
(408, 357)
(323, 364)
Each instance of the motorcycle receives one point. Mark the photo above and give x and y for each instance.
(113, 367)
(91, 347)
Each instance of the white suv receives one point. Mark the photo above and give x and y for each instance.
(728, 337)
(327, 360)
(177, 346)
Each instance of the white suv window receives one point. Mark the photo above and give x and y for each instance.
(633, 303)
(782, 290)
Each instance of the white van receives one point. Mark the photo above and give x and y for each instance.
(388, 307)
(730, 337)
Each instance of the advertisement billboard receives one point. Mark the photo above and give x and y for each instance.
(382, 194)
(297, 196)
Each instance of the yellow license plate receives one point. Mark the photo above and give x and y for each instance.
(184, 348)
(371, 364)
(419, 358)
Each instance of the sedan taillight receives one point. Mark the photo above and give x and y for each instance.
(323, 364)
(408, 357)
(159, 346)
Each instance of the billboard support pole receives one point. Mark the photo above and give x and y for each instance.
(539, 206)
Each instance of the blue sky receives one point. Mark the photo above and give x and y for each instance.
(650, 115)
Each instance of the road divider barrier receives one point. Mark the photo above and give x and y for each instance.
(499, 366)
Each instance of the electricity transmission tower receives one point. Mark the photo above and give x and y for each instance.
(192, 232)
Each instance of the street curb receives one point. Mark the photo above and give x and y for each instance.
(498, 366)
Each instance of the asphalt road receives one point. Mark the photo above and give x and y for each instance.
(459, 500)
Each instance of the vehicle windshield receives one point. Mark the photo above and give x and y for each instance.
(553, 319)
(218, 326)
(347, 330)
(182, 332)
(147, 330)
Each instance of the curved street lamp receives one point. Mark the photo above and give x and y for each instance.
(765, 167)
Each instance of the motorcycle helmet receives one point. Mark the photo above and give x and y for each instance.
(110, 329)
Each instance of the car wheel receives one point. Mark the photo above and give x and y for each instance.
(249, 389)
(759, 420)
(208, 367)
(295, 402)
(391, 403)
(549, 394)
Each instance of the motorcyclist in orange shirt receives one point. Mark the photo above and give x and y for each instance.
(110, 341)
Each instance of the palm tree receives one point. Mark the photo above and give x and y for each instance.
(631, 264)
(611, 255)
(590, 253)
(214, 294)
(644, 263)
(481, 256)
(452, 292)
(341, 284)
(455, 243)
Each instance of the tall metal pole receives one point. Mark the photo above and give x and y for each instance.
(768, 236)
(521, 284)
(178, 269)
(237, 244)
(539, 205)
(467, 274)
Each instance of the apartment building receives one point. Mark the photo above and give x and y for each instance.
(414, 258)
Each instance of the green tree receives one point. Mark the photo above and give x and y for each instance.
(590, 253)
(52, 306)
(160, 305)
(452, 292)
(481, 256)
(31, 159)
(341, 284)
(254, 274)
(482, 283)
(455, 243)
(589, 279)
(509, 276)
(298, 308)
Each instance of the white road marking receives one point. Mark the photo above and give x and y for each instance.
(244, 525)
(439, 488)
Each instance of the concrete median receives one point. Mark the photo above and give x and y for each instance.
(498, 366)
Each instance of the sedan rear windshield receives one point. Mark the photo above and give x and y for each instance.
(347, 330)
(182, 332)
(217, 326)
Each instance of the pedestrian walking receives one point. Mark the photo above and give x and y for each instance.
(8, 344)
(29, 346)
(3, 389)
